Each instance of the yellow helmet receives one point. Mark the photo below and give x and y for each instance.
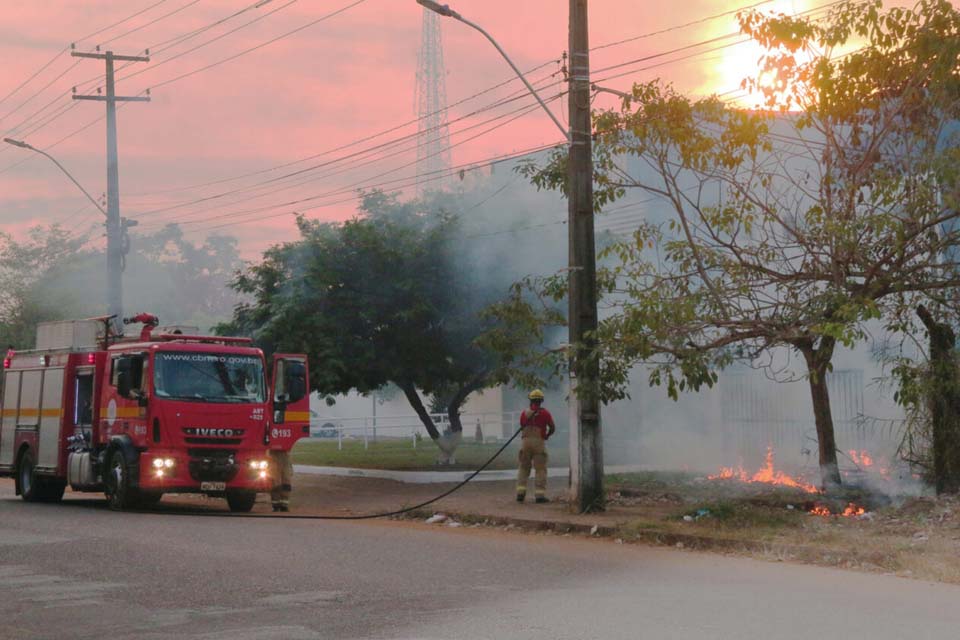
(536, 394)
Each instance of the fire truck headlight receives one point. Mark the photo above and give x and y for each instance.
(168, 463)
(259, 464)
(158, 463)
(159, 473)
(263, 474)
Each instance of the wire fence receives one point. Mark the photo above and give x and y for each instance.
(479, 427)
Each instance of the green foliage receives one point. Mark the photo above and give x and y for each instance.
(391, 296)
(841, 213)
(51, 275)
(46, 253)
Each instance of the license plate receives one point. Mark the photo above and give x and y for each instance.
(213, 486)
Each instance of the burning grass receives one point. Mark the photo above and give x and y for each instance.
(856, 529)
(765, 475)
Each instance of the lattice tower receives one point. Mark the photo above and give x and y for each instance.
(433, 143)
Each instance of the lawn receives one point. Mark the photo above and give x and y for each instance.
(400, 455)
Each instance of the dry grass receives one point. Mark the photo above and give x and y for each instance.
(913, 537)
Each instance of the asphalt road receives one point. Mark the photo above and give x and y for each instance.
(78, 570)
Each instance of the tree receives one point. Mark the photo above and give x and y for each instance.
(52, 275)
(835, 214)
(47, 253)
(387, 297)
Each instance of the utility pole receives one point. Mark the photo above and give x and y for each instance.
(586, 442)
(116, 226)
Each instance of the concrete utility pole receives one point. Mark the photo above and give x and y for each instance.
(586, 442)
(116, 226)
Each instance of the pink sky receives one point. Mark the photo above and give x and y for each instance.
(341, 80)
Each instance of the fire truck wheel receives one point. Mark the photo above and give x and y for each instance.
(27, 478)
(241, 501)
(116, 482)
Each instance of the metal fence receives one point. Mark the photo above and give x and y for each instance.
(758, 413)
(493, 427)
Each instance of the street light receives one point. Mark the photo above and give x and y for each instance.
(447, 12)
(24, 145)
(586, 467)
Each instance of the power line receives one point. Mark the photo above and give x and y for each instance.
(149, 24)
(679, 26)
(356, 154)
(362, 183)
(410, 182)
(85, 84)
(341, 147)
(159, 64)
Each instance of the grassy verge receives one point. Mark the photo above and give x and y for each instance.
(401, 456)
(915, 537)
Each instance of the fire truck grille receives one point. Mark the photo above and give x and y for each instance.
(215, 441)
(212, 464)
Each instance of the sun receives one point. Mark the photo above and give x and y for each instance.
(740, 60)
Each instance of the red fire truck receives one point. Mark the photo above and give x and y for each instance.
(137, 417)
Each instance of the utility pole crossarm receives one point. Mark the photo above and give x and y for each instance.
(110, 54)
(115, 98)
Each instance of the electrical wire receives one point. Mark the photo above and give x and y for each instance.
(358, 154)
(363, 184)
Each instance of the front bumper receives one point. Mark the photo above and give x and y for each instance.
(198, 471)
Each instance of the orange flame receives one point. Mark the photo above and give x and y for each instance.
(766, 475)
(850, 511)
(861, 458)
(853, 510)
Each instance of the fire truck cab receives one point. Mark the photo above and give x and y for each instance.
(136, 417)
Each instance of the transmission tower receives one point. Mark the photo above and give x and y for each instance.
(433, 141)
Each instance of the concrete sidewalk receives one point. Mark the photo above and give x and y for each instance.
(435, 477)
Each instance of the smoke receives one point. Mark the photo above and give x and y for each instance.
(510, 230)
(181, 281)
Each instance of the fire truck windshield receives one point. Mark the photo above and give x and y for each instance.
(208, 377)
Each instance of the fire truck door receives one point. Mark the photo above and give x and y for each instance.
(290, 396)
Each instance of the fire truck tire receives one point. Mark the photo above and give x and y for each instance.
(33, 487)
(116, 481)
(241, 501)
(27, 478)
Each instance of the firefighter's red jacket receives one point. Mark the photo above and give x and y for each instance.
(538, 418)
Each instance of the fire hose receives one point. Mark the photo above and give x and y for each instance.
(368, 516)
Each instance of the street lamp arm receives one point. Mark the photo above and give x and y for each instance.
(24, 145)
(563, 130)
(446, 11)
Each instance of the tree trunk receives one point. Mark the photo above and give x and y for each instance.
(818, 363)
(413, 398)
(449, 442)
(944, 401)
(453, 408)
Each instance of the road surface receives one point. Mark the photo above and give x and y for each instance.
(78, 570)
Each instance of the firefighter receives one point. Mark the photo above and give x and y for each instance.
(282, 474)
(537, 426)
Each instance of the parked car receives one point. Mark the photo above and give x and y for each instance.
(321, 429)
